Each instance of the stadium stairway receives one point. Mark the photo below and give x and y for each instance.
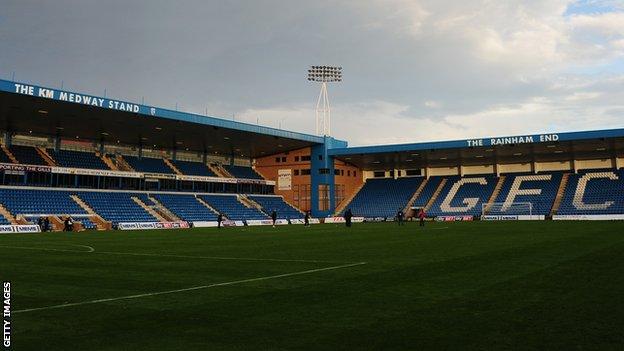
(219, 170)
(108, 161)
(100, 223)
(172, 166)
(27, 155)
(230, 206)
(249, 203)
(560, 192)
(384, 197)
(271, 202)
(46, 156)
(9, 219)
(162, 210)
(9, 154)
(435, 195)
(243, 172)
(343, 205)
(201, 201)
(122, 164)
(407, 208)
(148, 209)
(497, 190)
(186, 207)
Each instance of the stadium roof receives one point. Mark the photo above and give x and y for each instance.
(27, 108)
(599, 144)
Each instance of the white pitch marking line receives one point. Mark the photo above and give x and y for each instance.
(190, 289)
(90, 248)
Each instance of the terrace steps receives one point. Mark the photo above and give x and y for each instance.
(495, 193)
(100, 223)
(220, 170)
(163, 211)
(7, 214)
(172, 166)
(108, 162)
(249, 203)
(435, 195)
(348, 200)
(293, 206)
(560, 193)
(122, 164)
(203, 202)
(9, 154)
(46, 156)
(148, 209)
(408, 206)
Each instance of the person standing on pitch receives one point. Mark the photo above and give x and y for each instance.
(306, 219)
(421, 217)
(219, 219)
(400, 216)
(347, 216)
(274, 217)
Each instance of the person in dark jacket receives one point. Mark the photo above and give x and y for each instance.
(347, 216)
(40, 223)
(400, 216)
(306, 219)
(219, 219)
(46, 224)
(274, 217)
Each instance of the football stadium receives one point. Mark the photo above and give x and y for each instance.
(127, 226)
(507, 219)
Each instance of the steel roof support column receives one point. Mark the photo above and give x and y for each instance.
(322, 178)
(8, 139)
(57, 143)
(573, 164)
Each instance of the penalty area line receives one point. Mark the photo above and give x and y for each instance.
(201, 287)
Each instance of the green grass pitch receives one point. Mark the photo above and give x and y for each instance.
(480, 285)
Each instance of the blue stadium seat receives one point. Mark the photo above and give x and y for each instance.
(594, 192)
(232, 208)
(4, 220)
(427, 192)
(242, 172)
(27, 155)
(193, 168)
(147, 164)
(39, 202)
(277, 204)
(543, 186)
(474, 187)
(77, 159)
(86, 223)
(384, 197)
(117, 207)
(186, 207)
(4, 158)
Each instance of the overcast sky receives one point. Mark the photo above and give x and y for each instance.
(413, 70)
